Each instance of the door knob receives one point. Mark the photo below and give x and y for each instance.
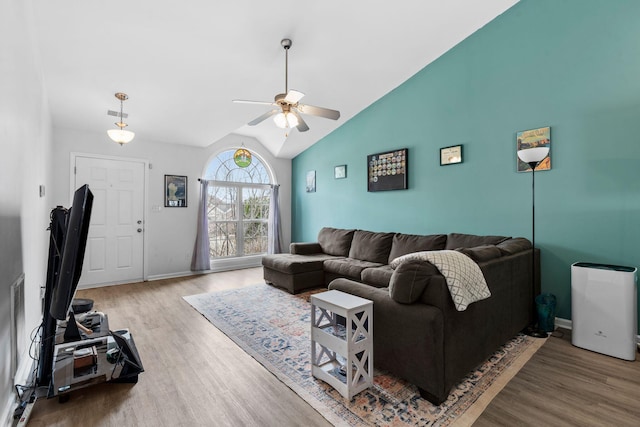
(139, 230)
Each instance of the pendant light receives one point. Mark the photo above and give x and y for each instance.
(121, 135)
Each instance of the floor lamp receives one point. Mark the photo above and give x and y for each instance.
(533, 157)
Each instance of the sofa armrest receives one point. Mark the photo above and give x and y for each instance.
(305, 248)
(407, 338)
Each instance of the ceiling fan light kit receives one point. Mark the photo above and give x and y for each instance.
(121, 135)
(285, 120)
(287, 113)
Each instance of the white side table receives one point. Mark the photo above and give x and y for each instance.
(353, 343)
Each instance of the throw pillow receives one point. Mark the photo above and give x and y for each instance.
(335, 241)
(481, 253)
(513, 246)
(460, 240)
(406, 243)
(370, 246)
(408, 281)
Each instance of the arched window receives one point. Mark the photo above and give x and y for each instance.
(238, 206)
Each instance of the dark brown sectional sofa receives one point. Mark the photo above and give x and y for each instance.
(419, 335)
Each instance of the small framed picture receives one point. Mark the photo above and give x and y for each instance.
(340, 172)
(534, 138)
(451, 155)
(175, 191)
(311, 182)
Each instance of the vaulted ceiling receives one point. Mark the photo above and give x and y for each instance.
(182, 63)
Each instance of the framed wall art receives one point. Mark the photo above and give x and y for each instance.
(388, 170)
(311, 182)
(175, 191)
(340, 172)
(533, 138)
(451, 155)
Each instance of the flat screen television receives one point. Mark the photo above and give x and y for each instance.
(75, 241)
(57, 228)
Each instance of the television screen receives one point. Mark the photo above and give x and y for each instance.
(75, 241)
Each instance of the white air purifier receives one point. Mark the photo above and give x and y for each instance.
(604, 309)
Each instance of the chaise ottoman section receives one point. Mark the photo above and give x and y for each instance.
(295, 272)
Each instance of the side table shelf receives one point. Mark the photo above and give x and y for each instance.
(342, 355)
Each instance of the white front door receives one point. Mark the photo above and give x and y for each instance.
(115, 245)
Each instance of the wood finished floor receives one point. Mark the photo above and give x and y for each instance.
(196, 376)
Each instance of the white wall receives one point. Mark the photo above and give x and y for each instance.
(170, 232)
(25, 145)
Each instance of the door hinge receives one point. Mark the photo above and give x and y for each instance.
(75, 170)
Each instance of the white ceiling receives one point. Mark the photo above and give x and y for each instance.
(182, 63)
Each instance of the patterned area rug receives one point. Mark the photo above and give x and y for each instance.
(274, 328)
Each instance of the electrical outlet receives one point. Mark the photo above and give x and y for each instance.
(42, 292)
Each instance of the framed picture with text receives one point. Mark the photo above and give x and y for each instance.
(451, 155)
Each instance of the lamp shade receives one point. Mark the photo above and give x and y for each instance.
(121, 136)
(533, 155)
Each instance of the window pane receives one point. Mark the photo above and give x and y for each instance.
(255, 203)
(255, 237)
(222, 204)
(222, 238)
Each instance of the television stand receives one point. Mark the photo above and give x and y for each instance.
(98, 357)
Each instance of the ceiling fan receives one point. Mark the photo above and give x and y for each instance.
(287, 113)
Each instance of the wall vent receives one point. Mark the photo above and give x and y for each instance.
(17, 323)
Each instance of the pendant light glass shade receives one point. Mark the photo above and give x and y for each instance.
(121, 136)
(285, 120)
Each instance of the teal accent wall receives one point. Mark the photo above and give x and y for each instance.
(573, 65)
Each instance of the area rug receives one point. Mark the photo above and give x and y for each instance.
(274, 328)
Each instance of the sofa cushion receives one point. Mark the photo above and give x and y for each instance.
(403, 244)
(370, 246)
(294, 264)
(513, 246)
(482, 253)
(348, 267)
(459, 240)
(335, 241)
(377, 276)
(408, 281)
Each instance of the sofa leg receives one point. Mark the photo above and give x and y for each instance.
(430, 397)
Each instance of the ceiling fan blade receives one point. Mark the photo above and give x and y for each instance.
(262, 117)
(293, 96)
(244, 101)
(319, 111)
(302, 125)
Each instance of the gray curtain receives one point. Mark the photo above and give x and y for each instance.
(201, 258)
(273, 237)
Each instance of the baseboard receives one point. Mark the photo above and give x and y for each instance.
(174, 275)
(564, 323)
(568, 324)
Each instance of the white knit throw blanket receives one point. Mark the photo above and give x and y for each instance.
(464, 278)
